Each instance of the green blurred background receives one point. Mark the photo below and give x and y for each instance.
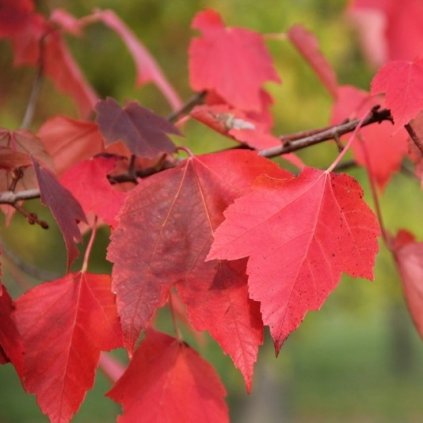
(359, 358)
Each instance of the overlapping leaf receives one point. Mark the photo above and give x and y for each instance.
(88, 183)
(63, 206)
(168, 382)
(233, 62)
(158, 243)
(299, 235)
(380, 148)
(64, 325)
(402, 84)
(144, 132)
(69, 141)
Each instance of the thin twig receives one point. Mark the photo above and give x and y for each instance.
(188, 106)
(36, 88)
(375, 116)
(11, 197)
(414, 137)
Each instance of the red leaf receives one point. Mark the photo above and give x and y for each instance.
(168, 382)
(415, 146)
(409, 258)
(64, 325)
(10, 340)
(306, 43)
(158, 244)
(69, 141)
(66, 210)
(402, 83)
(384, 144)
(299, 235)
(88, 183)
(216, 58)
(144, 132)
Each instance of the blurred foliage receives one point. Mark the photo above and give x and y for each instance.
(358, 360)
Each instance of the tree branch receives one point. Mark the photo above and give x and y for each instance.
(295, 142)
(376, 115)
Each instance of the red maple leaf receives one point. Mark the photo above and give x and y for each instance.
(64, 325)
(233, 62)
(69, 141)
(158, 244)
(66, 210)
(307, 44)
(299, 235)
(88, 183)
(144, 132)
(168, 382)
(409, 258)
(380, 148)
(402, 84)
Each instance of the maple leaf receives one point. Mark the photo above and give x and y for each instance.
(69, 141)
(306, 43)
(158, 244)
(402, 83)
(409, 258)
(144, 132)
(168, 382)
(381, 147)
(299, 235)
(88, 183)
(64, 207)
(233, 62)
(64, 324)
(10, 340)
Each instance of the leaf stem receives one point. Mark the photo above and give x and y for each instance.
(89, 246)
(173, 314)
(373, 190)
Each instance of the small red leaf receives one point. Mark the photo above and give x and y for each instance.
(144, 132)
(402, 83)
(299, 235)
(306, 43)
(69, 141)
(63, 206)
(385, 146)
(64, 325)
(88, 183)
(218, 56)
(168, 382)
